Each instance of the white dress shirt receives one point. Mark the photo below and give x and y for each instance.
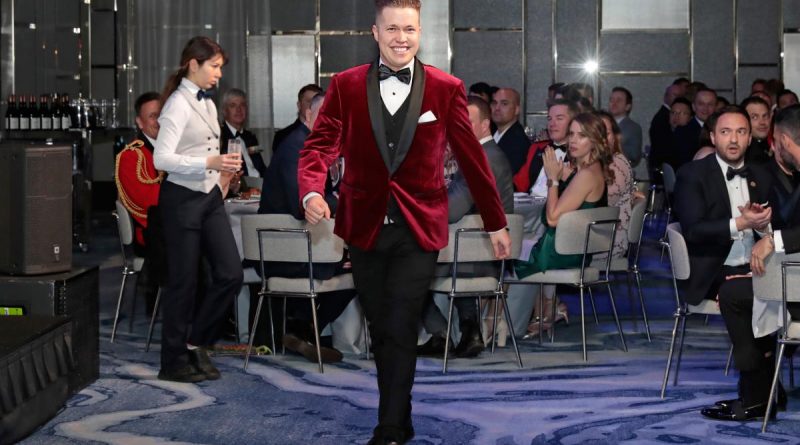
(394, 92)
(189, 133)
(248, 161)
(739, 195)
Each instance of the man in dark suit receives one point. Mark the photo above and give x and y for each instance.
(758, 109)
(304, 97)
(687, 138)
(719, 200)
(234, 114)
(661, 131)
(460, 203)
(753, 339)
(391, 121)
(510, 134)
(620, 104)
(280, 196)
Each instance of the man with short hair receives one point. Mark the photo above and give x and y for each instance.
(660, 129)
(761, 122)
(138, 186)
(234, 115)
(280, 196)
(758, 85)
(751, 323)
(391, 121)
(620, 104)
(720, 238)
(460, 203)
(510, 134)
(304, 97)
(786, 98)
(687, 138)
(482, 90)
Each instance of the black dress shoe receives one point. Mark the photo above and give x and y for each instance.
(780, 404)
(185, 374)
(199, 358)
(434, 347)
(736, 412)
(309, 351)
(471, 343)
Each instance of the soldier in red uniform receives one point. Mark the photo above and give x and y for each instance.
(138, 186)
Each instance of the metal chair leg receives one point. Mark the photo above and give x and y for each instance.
(791, 371)
(316, 332)
(253, 330)
(153, 321)
(594, 308)
(366, 333)
(583, 325)
(616, 317)
(671, 351)
(511, 330)
(541, 313)
(641, 302)
(133, 309)
(283, 327)
(728, 362)
(447, 334)
(774, 388)
(119, 303)
(680, 351)
(494, 324)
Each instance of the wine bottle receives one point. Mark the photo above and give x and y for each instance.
(45, 113)
(24, 115)
(35, 113)
(66, 121)
(55, 112)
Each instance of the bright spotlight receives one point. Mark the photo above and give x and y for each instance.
(590, 66)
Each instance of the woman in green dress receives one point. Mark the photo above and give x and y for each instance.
(581, 184)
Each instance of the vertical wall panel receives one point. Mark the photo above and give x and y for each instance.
(791, 61)
(576, 36)
(293, 65)
(757, 31)
(435, 47)
(538, 54)
(712, 35)
(747, 74)
(489, 56)
(487, 13)
(791, 14)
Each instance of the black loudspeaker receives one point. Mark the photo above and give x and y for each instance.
(74, 294)
(35, 208)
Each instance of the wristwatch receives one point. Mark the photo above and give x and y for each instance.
(552, 183)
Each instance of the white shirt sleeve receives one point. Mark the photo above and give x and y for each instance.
(778, 238)
(308, 196)
(732, 227)
(173, 120)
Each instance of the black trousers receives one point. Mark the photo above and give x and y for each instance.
(195, 226)
(392, 281)
(749, 353)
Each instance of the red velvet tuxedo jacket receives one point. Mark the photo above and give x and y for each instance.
(350, 124)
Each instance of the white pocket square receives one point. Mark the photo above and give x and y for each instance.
(426, 117)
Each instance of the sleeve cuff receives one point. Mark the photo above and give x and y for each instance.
(308, 196)
(778, 238)
(732, 228)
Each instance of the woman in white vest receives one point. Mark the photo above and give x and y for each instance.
(195, 223)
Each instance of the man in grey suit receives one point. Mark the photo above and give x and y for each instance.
(619, 105)
(460, 203)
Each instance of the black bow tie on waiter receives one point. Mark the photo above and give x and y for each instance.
(732, 172)
(403, 75)
(202, 94)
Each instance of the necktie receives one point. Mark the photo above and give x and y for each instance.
(732, 172)
(403, 75)
(202, 94)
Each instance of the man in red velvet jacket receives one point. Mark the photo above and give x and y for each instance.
(391, 121)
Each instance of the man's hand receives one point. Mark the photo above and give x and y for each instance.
(753, 216)
(316, 209)
(761, 250)
(501, 243)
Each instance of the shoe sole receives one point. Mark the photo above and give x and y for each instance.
(309, 351)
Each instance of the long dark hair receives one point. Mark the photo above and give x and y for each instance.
(594, 128)
(199, 48)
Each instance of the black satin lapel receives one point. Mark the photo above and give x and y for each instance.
(718, 181)
(414, 107)
(375, 105)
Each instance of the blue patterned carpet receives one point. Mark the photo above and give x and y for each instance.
(555, 399)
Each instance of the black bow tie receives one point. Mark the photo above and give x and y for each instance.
(404, 75)
(559, 147)
(237, 134)
(202, 94)
(732, 172)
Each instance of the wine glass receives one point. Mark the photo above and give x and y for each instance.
(235, 146)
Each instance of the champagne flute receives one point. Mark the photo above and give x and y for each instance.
(236, 146)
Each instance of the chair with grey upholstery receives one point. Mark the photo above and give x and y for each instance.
(286, 239)
(582, 232)
(630, 263)
(782, 273)
(668, 173)
(131, 263)
(679, 259)
(469, 243)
